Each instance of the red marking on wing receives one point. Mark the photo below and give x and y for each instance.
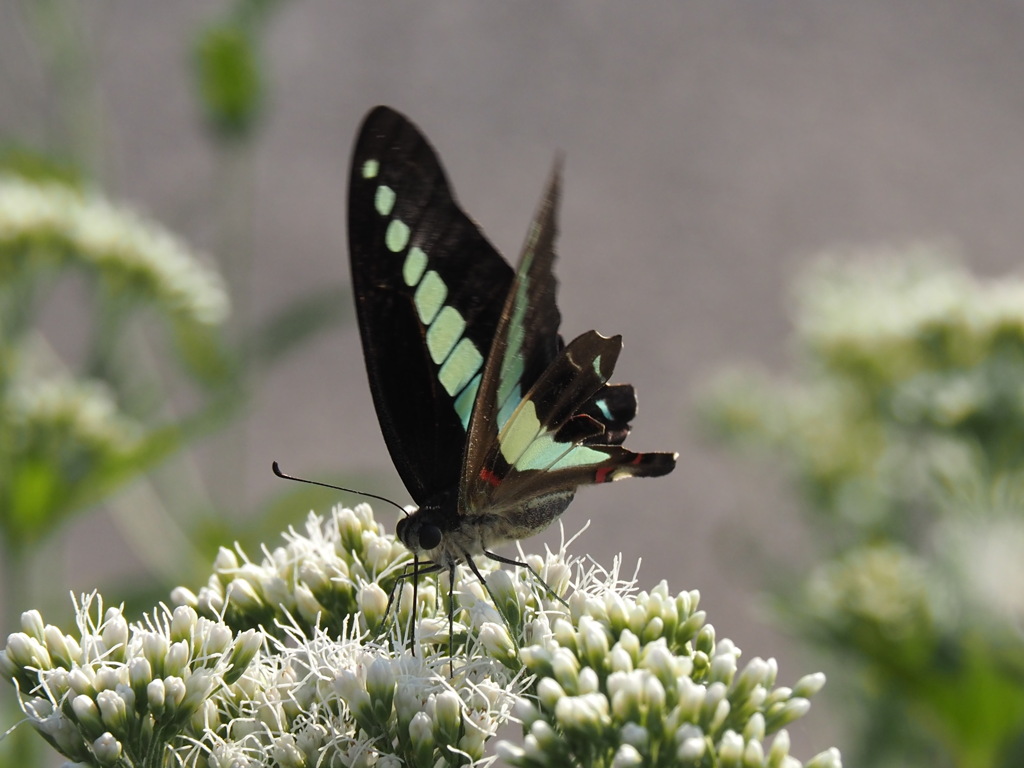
(489, 477)
(601, 476)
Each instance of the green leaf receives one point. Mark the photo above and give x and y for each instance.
(228, 79)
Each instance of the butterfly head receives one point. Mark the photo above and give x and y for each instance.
(418, 534)
(428, 529)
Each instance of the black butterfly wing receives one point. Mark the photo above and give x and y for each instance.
(565, 427)
(429, 292)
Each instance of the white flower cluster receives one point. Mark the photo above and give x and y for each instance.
(125, 248)
(612, 677)
(70, 412)
(878, 594)
(336, 570)
(883, 304)
(118, 694)
(627, 678)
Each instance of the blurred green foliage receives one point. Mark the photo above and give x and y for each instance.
(104, 398)
(903, 433)
(71, 431)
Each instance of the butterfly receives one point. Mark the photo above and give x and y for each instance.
(491, 420)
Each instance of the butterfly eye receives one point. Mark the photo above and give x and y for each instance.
(430, 536)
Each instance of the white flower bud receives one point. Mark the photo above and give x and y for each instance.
(537, 658)
(244, 650)
(794, 709)
(25, 651)
(107, 678)
(497, 642)
(557, 575)
(509, 753)
(211, 601)
(63, 649)
(154, 648)
(587, 714)
(627, 756)
(654, 696)
(619, 660)
(626, 688)
(780, 747)
(447, 717)
(308, 606)
(312, 574)
(421, 734)
(588, 681)
(660, 661)
(287, 754)
(32, 624)
(506, 598)
(155, 694)
(80, 680)
(278, 593)
(730, 748)
(754, 729)
(753, 753)
(352, 690)
(113, 710)
(753, 675)
(88, 716)
(183, 596)
(406, 704)
(115, 631)
(723, 668)
(691, 744)
(549, 693)
(176, 661)
(635, 735)
(373, 602)
(197, 689)
(630, 643)
(808, 685)
(244, 597)
(714, 695)
(107, 749)
(226, 562)
(215, 639)
(566, 669)
(377, 554)
(830, 758)
(380, 687)
(174, 693)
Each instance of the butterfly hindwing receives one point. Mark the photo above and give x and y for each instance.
(551, 444)
(566, 428)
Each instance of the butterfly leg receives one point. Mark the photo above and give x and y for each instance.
(451, 619)
(511, 632)
(510, 561)
(413, 570)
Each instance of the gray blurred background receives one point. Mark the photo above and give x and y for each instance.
(711, 147)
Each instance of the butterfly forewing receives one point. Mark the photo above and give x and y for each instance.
(429, 289)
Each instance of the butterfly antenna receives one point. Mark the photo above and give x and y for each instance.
(277, 471)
